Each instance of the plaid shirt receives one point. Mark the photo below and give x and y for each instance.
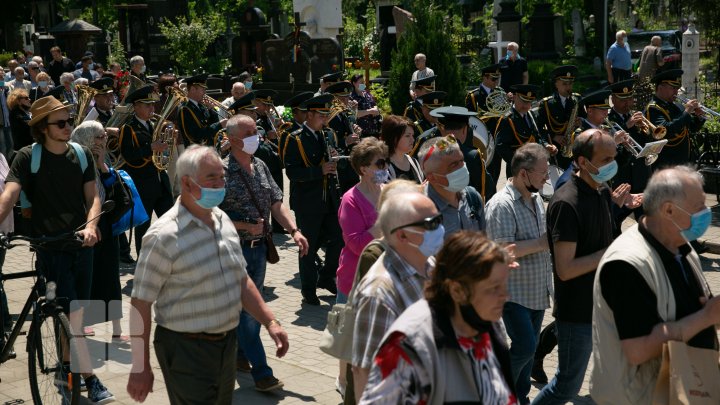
(509, 219)
(390, 286)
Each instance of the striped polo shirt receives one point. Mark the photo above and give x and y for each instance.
(191, 272)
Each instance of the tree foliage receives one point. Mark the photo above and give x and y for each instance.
(428, 34)
(188, 40)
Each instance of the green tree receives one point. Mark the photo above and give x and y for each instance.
(188, 40)
(428, 34)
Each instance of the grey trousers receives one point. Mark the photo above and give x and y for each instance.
(196, 371)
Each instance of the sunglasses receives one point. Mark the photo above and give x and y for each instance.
(61, 124)
(429, 224)
(442, 144)
(382, 163)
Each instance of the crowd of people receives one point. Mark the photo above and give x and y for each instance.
(399, 217)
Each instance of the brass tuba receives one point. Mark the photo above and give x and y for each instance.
(165, 130)
(123, 112)
(85, 94)
(569, 135)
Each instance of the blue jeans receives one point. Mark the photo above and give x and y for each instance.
(248, 330)
(523, 326)
(574, 349)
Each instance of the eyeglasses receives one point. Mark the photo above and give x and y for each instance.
(430, 224)
(61, 124)
(441, 144)
(381, 163)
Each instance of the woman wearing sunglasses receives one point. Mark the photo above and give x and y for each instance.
(449, 346)
(19, 106)
(357, 215)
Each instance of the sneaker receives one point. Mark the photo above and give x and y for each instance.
(97, 393)
(268, 384)
(328, 285)
(83, 386)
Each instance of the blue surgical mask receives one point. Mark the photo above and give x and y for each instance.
(605, 173)
(43, 83)
(699, 224)
(209, 197)
(248, 85)
(361, 86)
(432, 241)
(2, 83)
(381, 176)
(458, 180)
(91, 66)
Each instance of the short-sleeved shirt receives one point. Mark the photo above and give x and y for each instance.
(192, 272)
(464, 217)
(56, 191)
(509, 219)
(238, 203)
(634, 304)
(619, 56)
(390, 286)
(512, 71)
(581, 214)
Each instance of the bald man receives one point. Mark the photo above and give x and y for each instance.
(238, 90)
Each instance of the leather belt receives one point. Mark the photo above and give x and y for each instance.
(213, 337)
(252, 243)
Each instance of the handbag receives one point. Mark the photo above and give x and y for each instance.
(271, 253)
(136, 215)
(121, 194)
(688, 375)
(337, 338)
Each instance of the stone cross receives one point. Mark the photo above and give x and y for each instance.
(296, 33)
(366, 65)
(499, 45)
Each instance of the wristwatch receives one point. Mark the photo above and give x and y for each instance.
(294, 231)
(273, 321)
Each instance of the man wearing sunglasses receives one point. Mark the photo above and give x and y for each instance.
(412, 229)
(63, 197)
(447, 175)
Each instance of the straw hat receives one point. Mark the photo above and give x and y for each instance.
(43, 107)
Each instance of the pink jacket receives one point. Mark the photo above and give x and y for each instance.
(356, 216)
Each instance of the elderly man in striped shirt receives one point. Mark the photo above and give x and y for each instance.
(192, 267)
(516, 214)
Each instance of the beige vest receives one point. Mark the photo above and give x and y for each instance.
(614, 380)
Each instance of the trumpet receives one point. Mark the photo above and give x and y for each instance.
(630, 144)
(706, 110)
(656, 131)
(217, 106)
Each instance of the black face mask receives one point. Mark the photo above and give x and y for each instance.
(471, 317)
(530, 187)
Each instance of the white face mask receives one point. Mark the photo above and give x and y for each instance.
(251, 144)
(142, 69)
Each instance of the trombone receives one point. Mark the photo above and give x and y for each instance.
(217, 106)
(630, 144)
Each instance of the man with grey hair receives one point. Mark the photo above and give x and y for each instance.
(66, 81)
(10, 75)
(19, 81)
(33, 70)
(618, 62)
(445, 170)
(137, 67)
(422, 71)
(649, 289)
(236, 93)
(516, 214)
(193, 269)
(413, 231)
(651, 58)
(513, 68)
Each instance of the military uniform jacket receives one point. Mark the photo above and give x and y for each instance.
(513, 131)
(480, 178)
(283, 138)
(679, 125)
(268, 152)
(475, 100)
(552, 117)
(421, 126)
(135, 141)
(413, 111)
(103, 117)
(341, 125)
(198, 124)
(426, 136)
(311, 192)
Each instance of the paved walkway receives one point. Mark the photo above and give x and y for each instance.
(308, 373)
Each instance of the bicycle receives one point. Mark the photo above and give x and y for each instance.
(49, 338)
(51, 345)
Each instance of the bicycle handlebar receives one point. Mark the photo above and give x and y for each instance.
(73, 239)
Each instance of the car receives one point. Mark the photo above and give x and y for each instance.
(671, 46)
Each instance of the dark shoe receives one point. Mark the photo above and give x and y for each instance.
(310, 298)
(127, 259)
(268, 384)
(242, 365)
(328, 285)
(97, 393)
(538, 373)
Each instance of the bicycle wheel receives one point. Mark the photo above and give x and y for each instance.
(50, 381)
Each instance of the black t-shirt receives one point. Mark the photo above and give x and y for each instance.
(578, 213)
(634, 304)
(56, 190)
(512, 72)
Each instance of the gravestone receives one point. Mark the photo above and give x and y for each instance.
(545, 33)
(323, 17)
(578, 33)
(326, 58)
(691, 61)
(508, 21)
(247, 46)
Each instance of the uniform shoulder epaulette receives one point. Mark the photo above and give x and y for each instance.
(576, 94)
(546, 98)
(296, 132)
